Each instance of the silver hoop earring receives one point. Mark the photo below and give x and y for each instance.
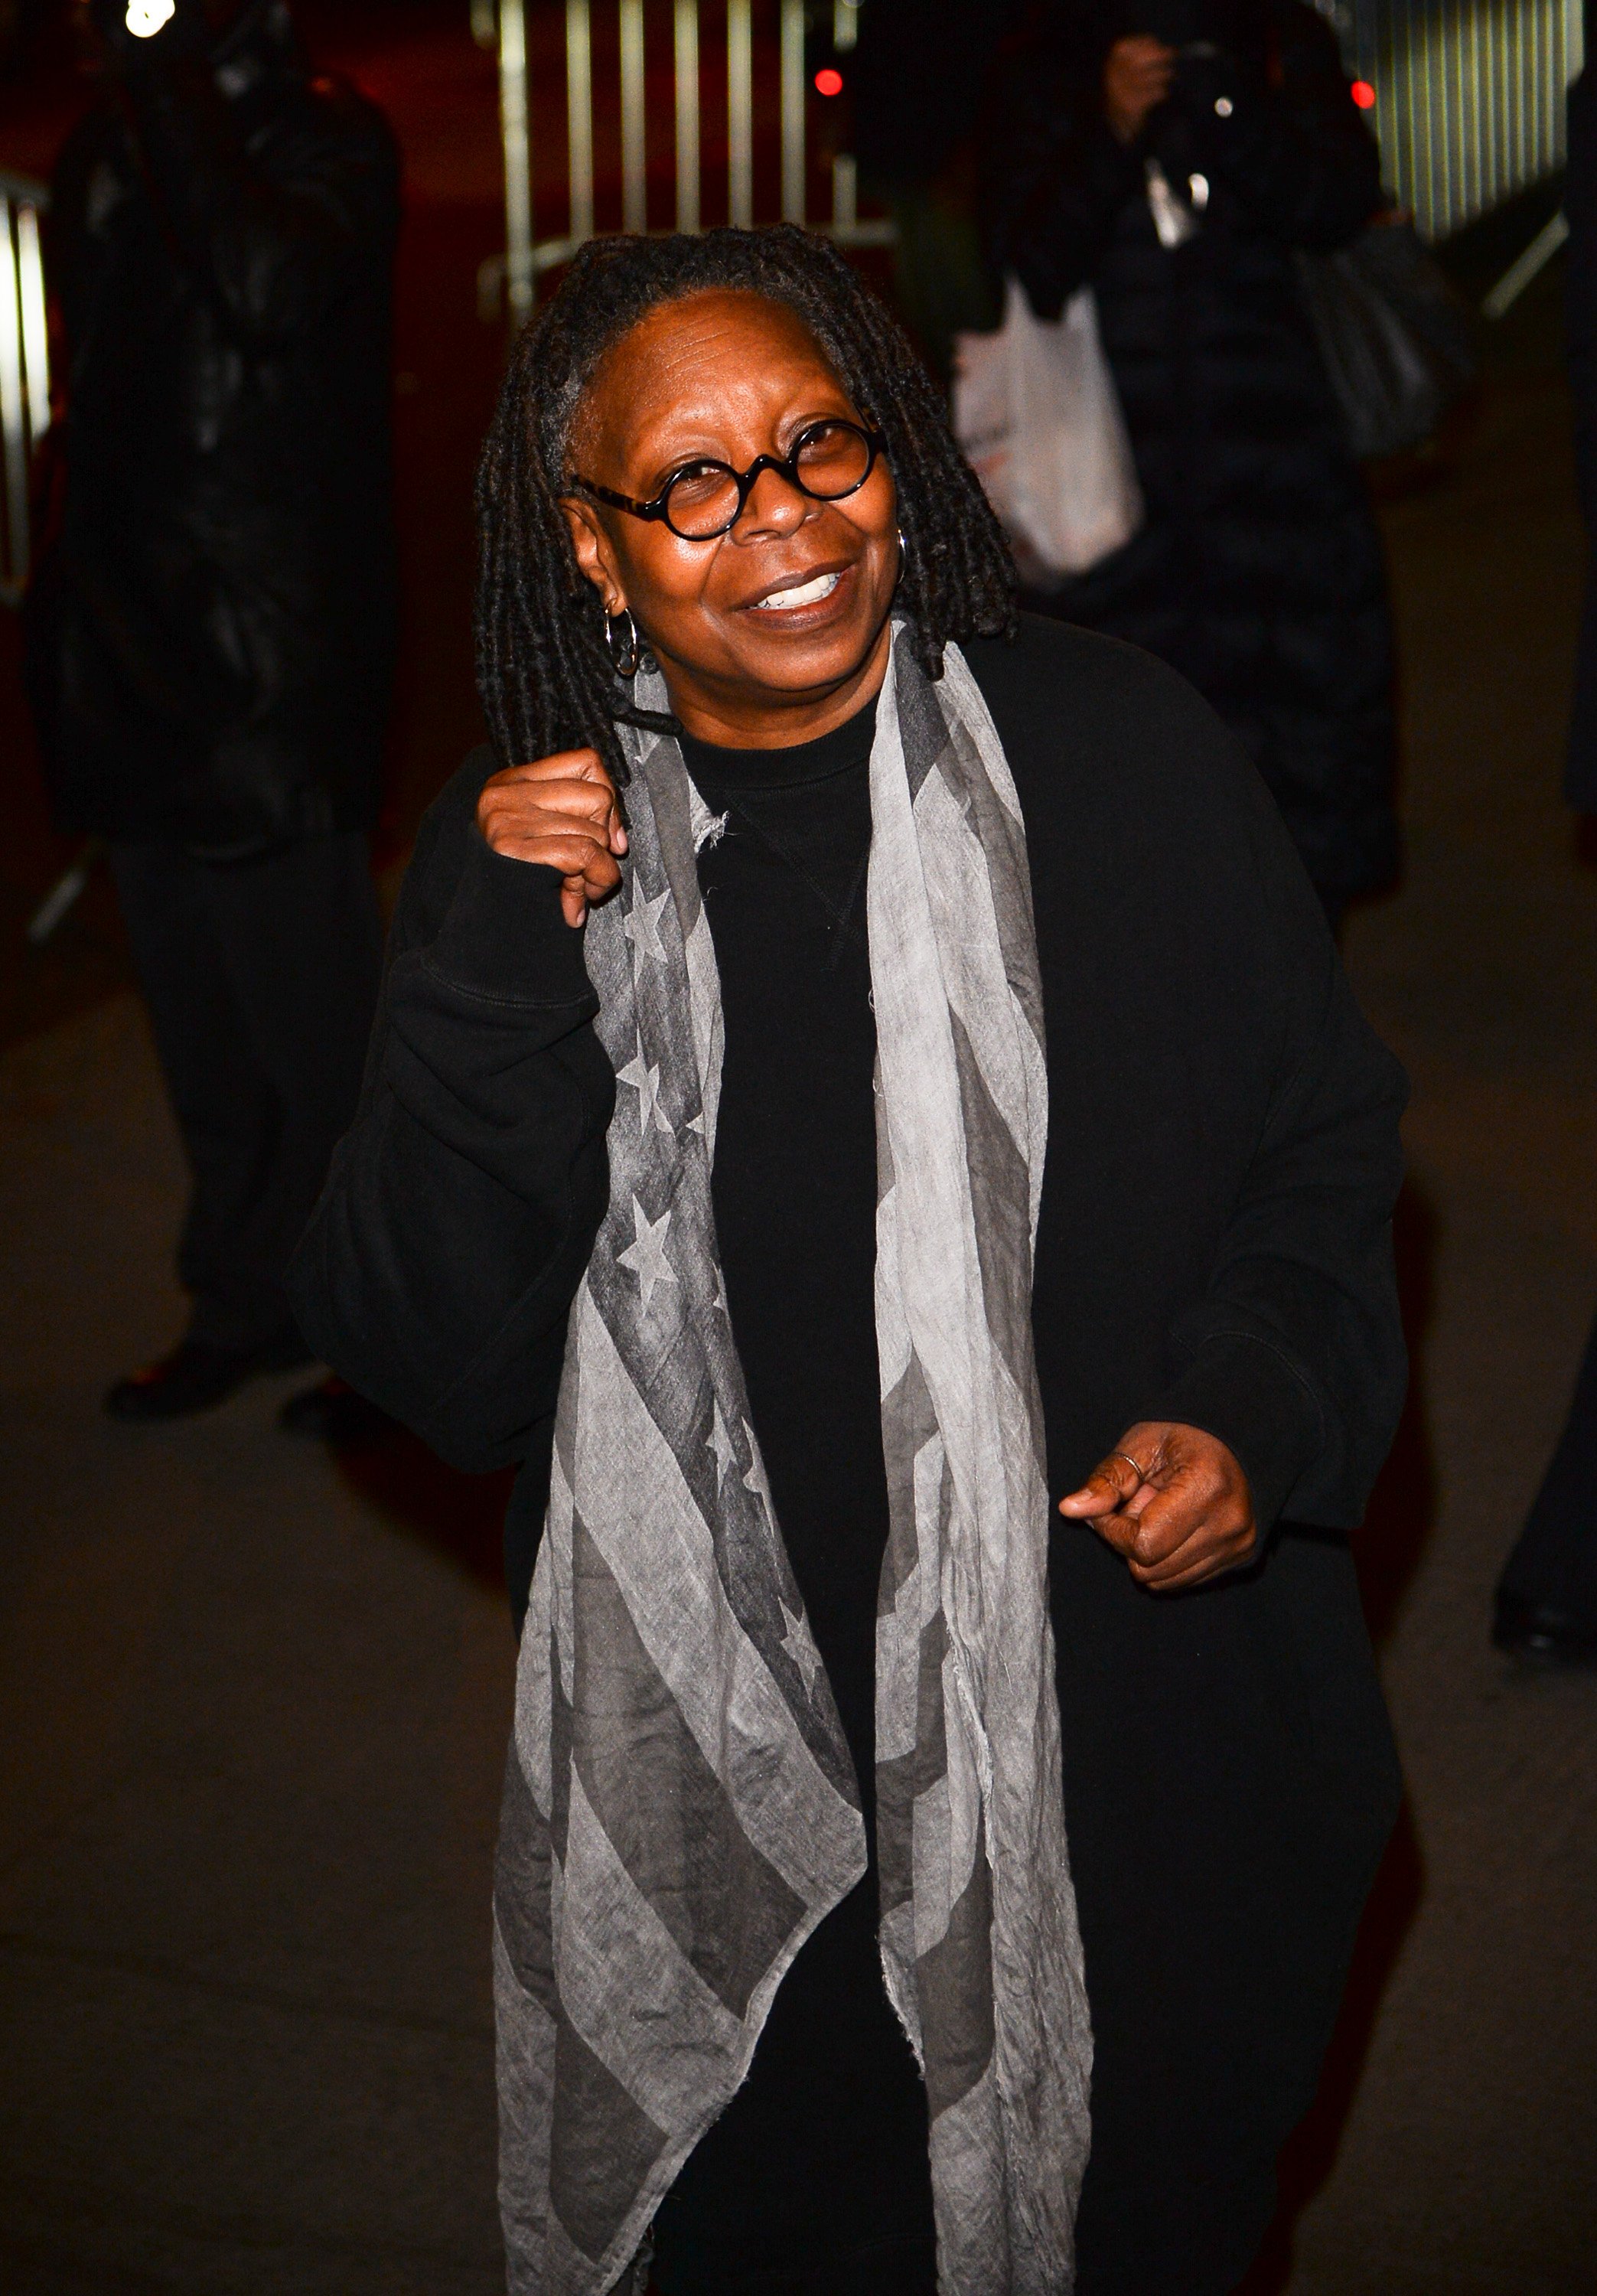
(903, 552)
(623, 644)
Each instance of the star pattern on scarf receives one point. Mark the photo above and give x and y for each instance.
(645, 1256)
(1014, 1997)
(754, 1479)
(722, 1445)
(641, 923)
(799, 1648)
(643, 1076)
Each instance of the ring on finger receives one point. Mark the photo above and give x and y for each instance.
(1141, 1473)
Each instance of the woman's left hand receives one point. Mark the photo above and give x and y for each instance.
(1173, 1502)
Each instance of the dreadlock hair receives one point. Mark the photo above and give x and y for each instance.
(543, 672)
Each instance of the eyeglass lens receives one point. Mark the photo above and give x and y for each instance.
(831, 460)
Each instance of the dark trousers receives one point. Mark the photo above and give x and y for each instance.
(1554, 1566)
(261, 979)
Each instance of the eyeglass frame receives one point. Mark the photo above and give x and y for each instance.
(786, 466)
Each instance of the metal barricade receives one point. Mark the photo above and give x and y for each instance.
(24, 368)
(1467, 104)
(504, 24)
(1469, 96)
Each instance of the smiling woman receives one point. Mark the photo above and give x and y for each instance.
(778, 637)
(543, 668)
(855, 1066)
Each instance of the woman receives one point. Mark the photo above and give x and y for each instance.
(1258, 571)
(715, 1000)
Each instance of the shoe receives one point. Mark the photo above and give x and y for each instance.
(332, 1411)
(1536, 1631)
(197, 1376)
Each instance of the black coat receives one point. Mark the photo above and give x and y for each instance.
(1213, 1248)
(211, 631)
(1258, 573)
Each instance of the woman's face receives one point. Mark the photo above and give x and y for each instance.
(730, 377)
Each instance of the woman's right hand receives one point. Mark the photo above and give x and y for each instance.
(1136, 78)
(562, 812)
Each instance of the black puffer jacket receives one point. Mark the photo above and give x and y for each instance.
(212, 627)
(1258, 573)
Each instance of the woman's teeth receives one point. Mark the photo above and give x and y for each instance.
(808, 593)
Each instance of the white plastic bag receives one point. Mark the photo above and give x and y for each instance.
(1036, 411)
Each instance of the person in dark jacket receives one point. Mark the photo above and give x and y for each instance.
(1175, 155)
(1546, 1599)
(1212, 1310)
(211, 628)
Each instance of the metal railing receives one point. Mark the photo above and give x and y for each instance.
(1469, 109)
(1469, 96)
(504, 24)
(24, 368)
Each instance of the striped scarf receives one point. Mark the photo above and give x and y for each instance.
(681, 1810)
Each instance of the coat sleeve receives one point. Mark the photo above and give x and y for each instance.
(440, 1264)
(273, 233)
(1294, 1356)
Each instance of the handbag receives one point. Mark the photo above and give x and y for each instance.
(1395, 340)
(1038, 417)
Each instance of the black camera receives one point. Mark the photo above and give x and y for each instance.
(1206, 81)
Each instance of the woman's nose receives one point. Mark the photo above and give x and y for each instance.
(774, 506)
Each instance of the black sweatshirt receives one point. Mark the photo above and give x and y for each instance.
(1214, 1248)
(1223, 1153)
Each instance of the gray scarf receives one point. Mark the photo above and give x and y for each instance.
(680, 1809)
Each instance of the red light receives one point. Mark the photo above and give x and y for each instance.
(829, 82)
(1362, 94)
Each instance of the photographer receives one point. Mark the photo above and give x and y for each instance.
(1175, 155)
(211, 625)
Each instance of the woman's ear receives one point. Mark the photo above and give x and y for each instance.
(594, 555)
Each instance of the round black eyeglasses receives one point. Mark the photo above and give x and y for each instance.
(704, 499)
